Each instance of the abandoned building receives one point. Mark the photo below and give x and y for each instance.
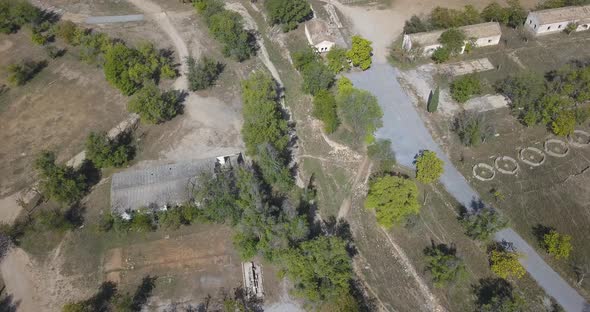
(158, 187)
(485, 34)
(319, 35)
(556, 20)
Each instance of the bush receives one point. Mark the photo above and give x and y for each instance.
(442, 18)
(324, 108)
(415, 25)
(21, 73)
(428, 167)
(441, 55)
(382, 156)
(472, 128)
(359, 110)
(203, 74)
(497, 295)
(288, 13)
(142, 222)
(155, 106)
(557, 245)
(16, 13)
(463, 88)
(61, 183)
(432, 104)
(482, 224)
(393, 198)
(316, 75)
(274, 169)
(453, 39)
(53, 52)
(337, 60)
(360, 52)
(320, 269)
(39, 38)
(564, 124)
(443, 264)
(67, 31)
(513, 15)
(105, 152)
(505, 264)
(216, 198)
(263, 120)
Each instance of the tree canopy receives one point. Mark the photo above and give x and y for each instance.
(497, 295)
(320, 269)
(505, 264)
(359, 110)
(324, 108)
(381, 153)
(155, 106)
(288, 13)
(61, 183)
(443, 264)
(428, 167)
(202, 74)
(105, 152)
(360, 53)
(393, 198)
(558, 245)
(337, 60)
(463, 88)
(482, 224)
(16, 13)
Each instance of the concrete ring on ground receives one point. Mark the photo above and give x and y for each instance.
(484, 167)
(506, 165)
(579, 138)
(532, 156)
(560, 148)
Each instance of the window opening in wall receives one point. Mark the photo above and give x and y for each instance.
(489, 40)
(559, 26)
(548, 27)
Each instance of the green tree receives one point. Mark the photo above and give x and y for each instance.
(288, 13)
(61, 183)
(494, 12)
(263, 120)
(203, 74)
(216, 195)
(273, 168)
(337, 60)
(558, 245)
(320, 269)
(505, 264)
(497, 295)
(393, 198)
(481, 225)
(443, 264)
(463, 88)
(227, 27)
(16, 13)
(324, 108)
(564, 124)
(360, 52)
(517, 14)
(453, 39)
(104, 152)
(317, 77)
(21, 73)
(472, 128)
(142, 221)
(155, 106)
(441, 55)
(415, 25)
(432, 104)
(76, 307)
(382, 156)
(428, 167)
(359, 110)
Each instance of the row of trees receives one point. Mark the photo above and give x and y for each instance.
(555, 99)
(513, 15)
(227, 27)
(16, 13)
(288, 13)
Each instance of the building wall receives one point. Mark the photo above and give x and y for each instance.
(488, 41)
(324, 46)
(532, 25)
(428, 50)
(308, 35)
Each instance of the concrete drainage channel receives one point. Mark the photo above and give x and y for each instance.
(531, 156)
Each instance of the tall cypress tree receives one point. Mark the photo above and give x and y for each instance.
(432, 105)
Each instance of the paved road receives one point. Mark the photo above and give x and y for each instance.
(405, 129)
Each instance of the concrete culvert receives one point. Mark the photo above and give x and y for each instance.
(532, 156)
(506, 165)
(579, 138)
(484, 172)
(556, 148)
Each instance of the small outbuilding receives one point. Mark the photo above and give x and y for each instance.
(319, 35)
(485, 34)
(556, 20)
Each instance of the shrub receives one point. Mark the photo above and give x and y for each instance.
(16, 13)
(393, 198)
(382, 156)
(21, 73)
(216, 195)
(61, 183)
(472, 128)
(428, 167)
(453, 39)
(415, 25)
(105, 152)
(558, 245)
(155, 106)
(288, 13)
(505, 264)
(142, 222)
(482, 224)
(441, 55)
(432, 104)
(337, 60)
(497, 295)
(274, 169)
(324, 108)
(564, 124)
(68, 31)
(360, 111)
(360, 52)
(443, 264)
(317, 77)
(463, 88)
(570, 28)
(54, 52)
(39, 38)
(203, 74)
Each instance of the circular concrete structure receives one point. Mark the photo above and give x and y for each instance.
(482, 166)
(579, 138)
(532, 156)
(506, 165)
(556, 148)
